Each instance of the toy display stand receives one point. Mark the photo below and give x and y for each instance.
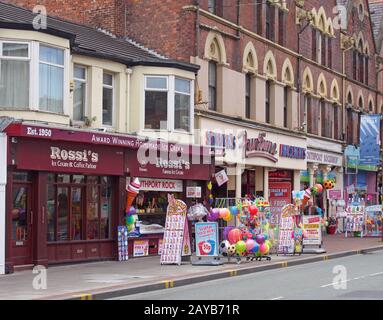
(355, 216)
(244, 221)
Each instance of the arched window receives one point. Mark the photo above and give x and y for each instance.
(370, 107)
(248, 95)
(267, 101)
(212, 85)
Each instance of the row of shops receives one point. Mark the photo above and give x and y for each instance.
(65, 190)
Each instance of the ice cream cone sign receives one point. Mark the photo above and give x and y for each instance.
(132, 191)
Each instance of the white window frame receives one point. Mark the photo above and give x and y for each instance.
(85, 81)
(34, 61)
(170, 89)
(113, 87)
(29, 58)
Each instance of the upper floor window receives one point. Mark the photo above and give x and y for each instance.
(79, 96)
(212, 6)
(42, 89)
(51, 68)
(285, 105)
(168, 103)
(212, 85)
(259, 16)
(281, 27)
(14, 75)
(248, 96)
(267, 102)
(107, 99)
(270, 21)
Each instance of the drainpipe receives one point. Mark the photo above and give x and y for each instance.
(128, 95)
(3, 183)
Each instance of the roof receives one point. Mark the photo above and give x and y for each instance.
(376, 9)
(89, 41)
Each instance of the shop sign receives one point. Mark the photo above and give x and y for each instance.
(280, 174)
(161, 185)
(141, 248)
(324, 158)
(193, 192)
(220, 140)
(334, 194)
(221, 177)
(206, 239)
(312, 225)
(167, 166)
(68, 157)
(260, 147)
(292, 152)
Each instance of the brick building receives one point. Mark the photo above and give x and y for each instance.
(301, 72)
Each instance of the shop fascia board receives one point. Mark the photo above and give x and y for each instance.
(324, 145)
(246, 124)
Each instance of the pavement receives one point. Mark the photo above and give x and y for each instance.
(112, 279)
(349, 278)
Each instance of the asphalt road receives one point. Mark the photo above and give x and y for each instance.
(356, 277)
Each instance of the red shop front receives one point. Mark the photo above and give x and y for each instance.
(66, 192)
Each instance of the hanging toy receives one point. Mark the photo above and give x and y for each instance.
(329, 184)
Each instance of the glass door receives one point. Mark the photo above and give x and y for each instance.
(22, 220)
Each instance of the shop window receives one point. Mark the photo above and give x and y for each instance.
(168, 97)
(20, 213)
(63, 178)
(14, 75)
(107, 99)
(79, 95)
(20, 176)
(51, 71)
(80, 210)
(212, 85)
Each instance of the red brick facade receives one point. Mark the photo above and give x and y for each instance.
(173, 28)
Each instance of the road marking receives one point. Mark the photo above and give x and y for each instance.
(233, 273)
(86, 296)
(278, 298)
(325, 258)
(335, 283)
(375, 274)
(169, 284)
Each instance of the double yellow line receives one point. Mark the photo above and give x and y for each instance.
(169, 284)
(233, 273)
(284, 264)
(86, 296)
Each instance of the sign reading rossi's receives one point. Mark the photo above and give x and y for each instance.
(68, 157)
(260, 147)
(170, 165)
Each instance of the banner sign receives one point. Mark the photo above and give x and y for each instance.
(334, 194)
(148, 184)
(373, 221)
(206, 235)
(221, 178)
(370, 140)
(279, 196)
(312, 225)
(141, 248)
(174, 236)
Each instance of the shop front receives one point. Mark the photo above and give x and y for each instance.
(324, 161)
(66, 191)
(182, 176)
(259, 162)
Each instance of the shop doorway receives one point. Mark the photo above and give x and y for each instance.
(22, 221)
